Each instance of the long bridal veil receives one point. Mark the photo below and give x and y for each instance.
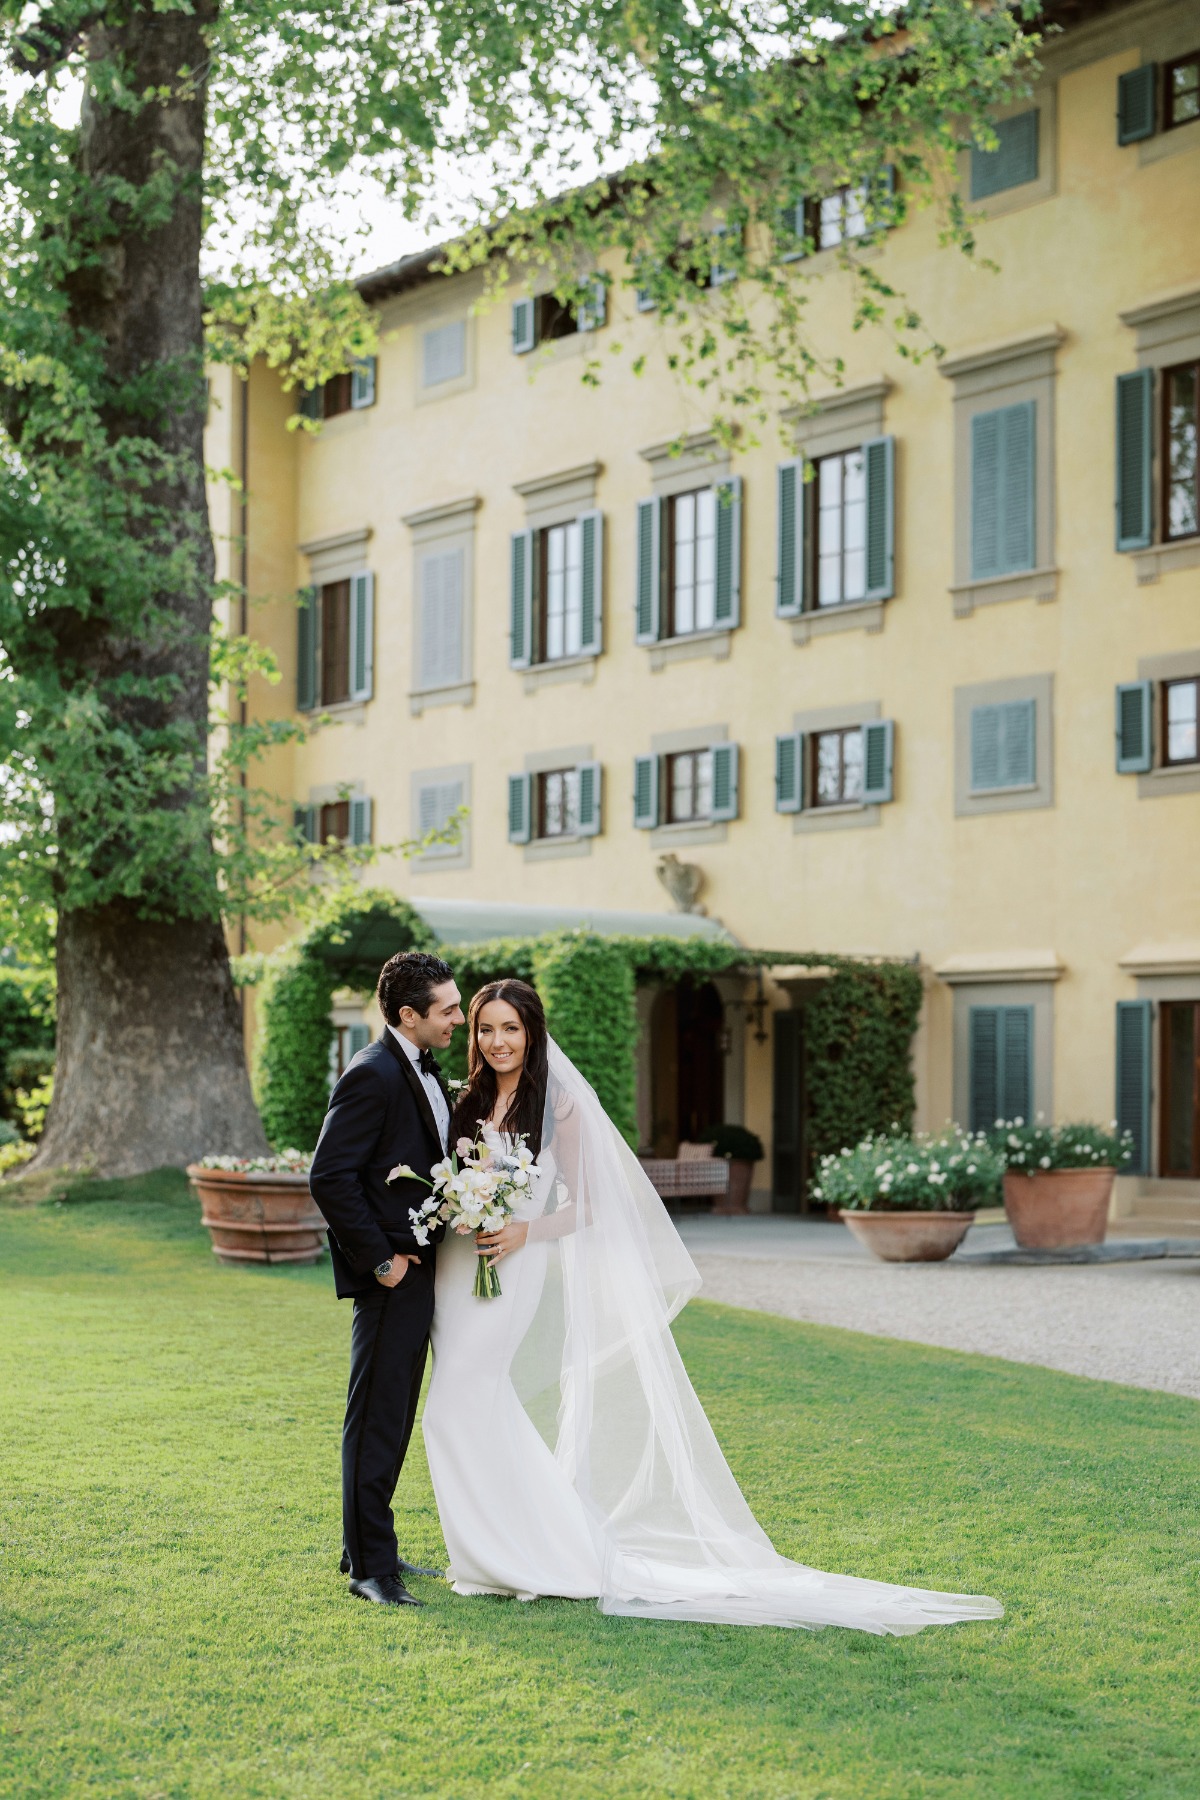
(599, 1373)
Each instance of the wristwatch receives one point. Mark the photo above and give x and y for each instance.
(385, 1268)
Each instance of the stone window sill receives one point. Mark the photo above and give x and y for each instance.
(562, 669)
(1169, 779)
(691, 831)
(1162, 559)
(852, 815)
(998, 793)
(550, 849)
(1030, 584)
(716, 644)
(851, 615)
(422, 698)
(346, 712)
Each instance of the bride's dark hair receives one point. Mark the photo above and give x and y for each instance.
(478, 1099)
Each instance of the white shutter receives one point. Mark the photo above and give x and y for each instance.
(362, 636)
(362, 382)
(440, 662)
(360, 819)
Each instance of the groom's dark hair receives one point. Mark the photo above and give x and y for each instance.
(408, 979)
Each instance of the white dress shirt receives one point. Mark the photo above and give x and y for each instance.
(437, 1100)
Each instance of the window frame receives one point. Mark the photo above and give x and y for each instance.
(567, 775)
(670, 618)
(1166, 760)
(1169, 122)
(541, 596)
(671, 759)
(336, 601)
(1166, 1011)
(812, 773)
(1163, 403)
(330, 829)
(812, 548)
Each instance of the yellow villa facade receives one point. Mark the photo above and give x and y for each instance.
(938, 703)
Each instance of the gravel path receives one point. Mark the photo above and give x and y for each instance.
(1137, 1323)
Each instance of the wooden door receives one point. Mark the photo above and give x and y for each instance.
(1179, 1119)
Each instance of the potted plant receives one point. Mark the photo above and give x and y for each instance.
(258, 1209)
(1058, 1180)
(911, 1199)
(741, 1150)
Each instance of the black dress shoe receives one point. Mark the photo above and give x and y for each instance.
(406, 1568)
(384, 1590)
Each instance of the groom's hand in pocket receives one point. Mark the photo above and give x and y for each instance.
(397, 1272)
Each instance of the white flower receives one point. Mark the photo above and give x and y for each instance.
(421, 1235)
(464, 1146)
(520, 1179)
(402, 1172)
(1045, 1163)
(454, 1086)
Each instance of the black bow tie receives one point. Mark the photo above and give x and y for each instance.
(428, 1064)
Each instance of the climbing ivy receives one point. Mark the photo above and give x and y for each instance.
(587, 986)
(858, 1030)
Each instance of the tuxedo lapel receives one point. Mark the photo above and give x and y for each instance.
(408, 1070)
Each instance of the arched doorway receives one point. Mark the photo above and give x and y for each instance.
(687, 1024)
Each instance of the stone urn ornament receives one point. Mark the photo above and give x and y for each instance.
(259, 1209)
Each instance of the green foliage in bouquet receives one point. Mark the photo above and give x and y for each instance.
(953, 1171)
(1030, 1149)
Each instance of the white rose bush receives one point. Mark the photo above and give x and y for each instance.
(951, 1171)
(1032, 1149)
(475, 1188)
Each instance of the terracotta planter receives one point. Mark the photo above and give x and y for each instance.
(737, 1195)
(259, 1218)
(909, 1236)
(1055, 1209)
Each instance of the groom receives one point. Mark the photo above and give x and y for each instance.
(389, 1107)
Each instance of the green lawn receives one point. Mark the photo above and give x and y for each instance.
(174, 1624)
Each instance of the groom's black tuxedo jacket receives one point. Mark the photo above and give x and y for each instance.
(379, 1115)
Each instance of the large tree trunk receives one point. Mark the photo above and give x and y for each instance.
(151, 1067)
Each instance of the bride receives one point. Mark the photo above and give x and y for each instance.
(568, 1451)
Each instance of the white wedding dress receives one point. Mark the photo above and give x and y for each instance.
(568, 1451)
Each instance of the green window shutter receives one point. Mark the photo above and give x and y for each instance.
(724, 782)
(1012, 163)
(520, 809)
(789, 772)
(362, 382)
(520, 643)
(789, 539)
(1016, 1062)
(790, 236)
(1003, 490)
(360, 819)
(645, 792)
(983, 1081)
(649, 570)
(306, 821)
(1135, 451)
(362, 637)
(589, 799)
(592, 313)
(1137, 108)
(879, 458)
(311, 403)
(727, 606)
(1003, 746)
(307, 649)
(1135, 728)
(357, 1038)
(1134, 1020)
(879, 736)
(591, 534)
(524, 320)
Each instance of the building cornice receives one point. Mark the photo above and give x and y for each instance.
(986, 356)
(1000, 965)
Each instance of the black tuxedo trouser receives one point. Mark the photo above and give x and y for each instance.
(389, 1342)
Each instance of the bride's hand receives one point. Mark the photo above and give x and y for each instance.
(495, 1244)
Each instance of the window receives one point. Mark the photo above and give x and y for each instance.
(560, 620)
(440, 659)
(1003, 494)
(1000, 1078)
(840, 539)
(1003, 746)
(444, 353)
(837, 767)
(1182, 90)
(335, 643)
(691, 585)
(1181, 415)
(1179, 1140)
(1181, 715)
(541, 318)
(1012, 163)
(353, 389)
(345, 1044)
(689, 786)
(437, 803)
(838, 217)
(558, 803)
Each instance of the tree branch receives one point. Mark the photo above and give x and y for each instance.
(47, 43)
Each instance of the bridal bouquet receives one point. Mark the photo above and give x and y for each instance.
(474, 1189)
